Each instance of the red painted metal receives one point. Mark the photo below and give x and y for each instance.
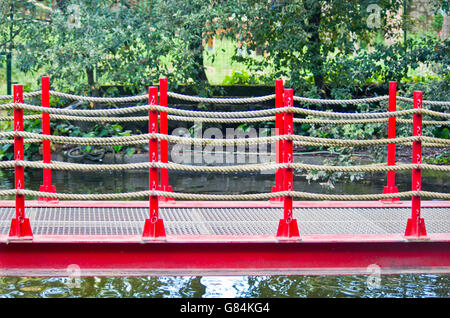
(288, 228)
(390, 187)
(416, 225)
(20, 226)
(164, 145)
(279, 144)
(154, 226)
(179, 257)
(98, 255)
(46, 144)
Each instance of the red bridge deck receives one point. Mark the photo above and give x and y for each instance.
(204, 238)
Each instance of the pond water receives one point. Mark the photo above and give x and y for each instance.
(408, 285)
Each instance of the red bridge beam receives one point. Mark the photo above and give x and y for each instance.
(179, 256)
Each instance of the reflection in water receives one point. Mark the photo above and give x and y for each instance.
(412, 285)
(225, 286)
(228, 286)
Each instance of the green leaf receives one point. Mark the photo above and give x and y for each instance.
(130, 151)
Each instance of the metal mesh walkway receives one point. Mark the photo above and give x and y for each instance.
(222, 221)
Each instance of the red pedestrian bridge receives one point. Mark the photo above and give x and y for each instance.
(172, 233)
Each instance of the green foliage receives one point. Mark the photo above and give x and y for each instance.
(106, 130)
(241, 78)
(299, 36)
(321, 44)
(440, 159)
(87, 41)
(64, 129)
(7, 150)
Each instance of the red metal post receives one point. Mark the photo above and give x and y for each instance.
(164, 145)
(391, 188)
(46, 144)
(287, 227)
(20, 226)
(154, 226)
(279, 144)
(416, 225)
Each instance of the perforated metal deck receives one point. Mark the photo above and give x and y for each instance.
(222, 221)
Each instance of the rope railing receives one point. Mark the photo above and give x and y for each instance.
(25, 95)
(145, 141)
(228, 120)
(226, 197)
(159, 113)
(65, 166)
(221, 142)
(212, 114)
(248, 100)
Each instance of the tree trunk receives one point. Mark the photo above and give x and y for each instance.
(314, 54)
(196, 47)
(91, 80)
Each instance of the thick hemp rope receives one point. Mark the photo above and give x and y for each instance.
(219, 142)
(381, 167)
(226, 197)
(246, 100)
(228, 120)
(235, 114)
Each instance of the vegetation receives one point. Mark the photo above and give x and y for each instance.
(323, 49)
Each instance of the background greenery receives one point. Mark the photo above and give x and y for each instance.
(323, 49)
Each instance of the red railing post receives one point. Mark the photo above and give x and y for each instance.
(390, 187)
(164, 144)
(20, 226)
(46, 144)
(287, 227)
(154, 226)
(416, 225)
(279, 144)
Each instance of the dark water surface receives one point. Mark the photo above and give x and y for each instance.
(407, 285)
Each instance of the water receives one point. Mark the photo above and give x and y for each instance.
(410, 285)
(407, 285)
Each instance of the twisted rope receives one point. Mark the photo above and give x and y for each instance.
(217, 142)
(424, 102)
(226, 197)
(144, 142)
(57, 165)
(340, 101)
(221, 142)
(246, 100)
(228, 120)
(26, 95)
(209, 114)
(127, 99)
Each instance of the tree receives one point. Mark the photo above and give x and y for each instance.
(186, 25)
(299, 36)
(84, 43)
